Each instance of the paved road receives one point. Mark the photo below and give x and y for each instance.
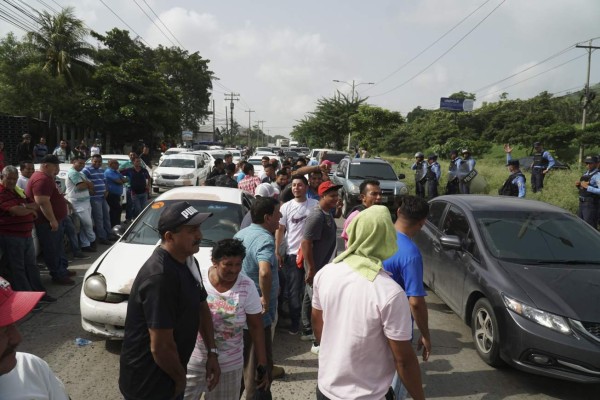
(453, 372)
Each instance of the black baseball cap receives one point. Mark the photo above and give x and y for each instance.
(591, 160)
(514, 163)
(537, 144)
(178, 214)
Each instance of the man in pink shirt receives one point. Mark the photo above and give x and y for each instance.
(361, 317)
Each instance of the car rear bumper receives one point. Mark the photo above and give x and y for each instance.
(103, 319)
(536, 349)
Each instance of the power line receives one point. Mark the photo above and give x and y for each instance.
(47, 6)
(34, 18)
(166, 27)
(154, 23)
(126, 24)
(428, 47)
(14, 19)
(443, 54)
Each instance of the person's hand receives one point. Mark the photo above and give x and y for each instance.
(577, 183)
(545, 171)
(424, 344)
(310, 275)
(507, 148)
(279, 260)
(262, 380)
(265, 304)
(585, 185)
(54, 225)
(35, 214)
(179, 387)
(213, 371)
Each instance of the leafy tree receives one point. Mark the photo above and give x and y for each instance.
(371, 125)
(463, 95)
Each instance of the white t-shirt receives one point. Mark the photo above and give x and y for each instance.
(94, 150)
(228, 311)
(31, 379)
(293, 216)
(22, 182)
(355, 361)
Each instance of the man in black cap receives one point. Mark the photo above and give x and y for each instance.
(419, 166)
(167, 308)
(432, 175)
(515, 183)
(542, 163)
(589, 192)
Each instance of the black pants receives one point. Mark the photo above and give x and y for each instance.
(537, 179)
(588, 211)
(452, 187)
(419, 188)
(432, 189)
(114, 204)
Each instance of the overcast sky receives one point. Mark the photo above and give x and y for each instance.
(281, 56)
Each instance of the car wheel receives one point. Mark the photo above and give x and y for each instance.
(484, 328)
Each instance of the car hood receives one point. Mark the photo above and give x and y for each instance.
(120, 274)
(569, 290)
(174, 171)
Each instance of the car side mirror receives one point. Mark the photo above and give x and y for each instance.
(451, 242)
(119, 230)
(401, 176)
(339, 173)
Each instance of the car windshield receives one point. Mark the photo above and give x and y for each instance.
(223, 224)
(174, 151)
(380, 171)
(218, 155)
(538, 237)
(268, 149)
(335, 157)
(178, 163)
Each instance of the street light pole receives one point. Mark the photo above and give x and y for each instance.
(353, 85)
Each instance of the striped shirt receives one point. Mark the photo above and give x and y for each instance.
(96, 175)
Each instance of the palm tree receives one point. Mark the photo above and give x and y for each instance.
(60, 41)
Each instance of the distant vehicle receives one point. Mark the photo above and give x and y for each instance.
(180, 170)
(314, 154)
(172, 150)
(293, 143)
(282, 143)
(267, 149)
(352, 171)
(235, 153)
(524, 275)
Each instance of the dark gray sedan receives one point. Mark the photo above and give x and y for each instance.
(524, 275)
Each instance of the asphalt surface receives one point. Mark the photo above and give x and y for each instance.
(454, 370)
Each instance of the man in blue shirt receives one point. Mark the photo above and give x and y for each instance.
(542, 163)
(589, 192)
(100, 210)
(260, 265)
(465, 168)
(433, 173)
(114, 186)
(406, 267)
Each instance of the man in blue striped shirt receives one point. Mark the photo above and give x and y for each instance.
(100, 210)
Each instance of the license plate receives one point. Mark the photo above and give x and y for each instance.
(384, 199)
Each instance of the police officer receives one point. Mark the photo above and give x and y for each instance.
(432, 175)
(419, 167)
(589, 192)
(466, 166)
(542, 163)
(515, 184)
(452, 185)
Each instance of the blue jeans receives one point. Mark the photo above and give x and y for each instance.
(138, 202)
(294, 281)
(399, 390)
(101, 217)
(53, 249)
(69, 229)
(20, 253)
(307, 308)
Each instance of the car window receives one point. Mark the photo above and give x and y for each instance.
(335, 157)
(381, 171)
(247, 202)
(456, 223)
(179, 163)
(223, 224)
(436, 212)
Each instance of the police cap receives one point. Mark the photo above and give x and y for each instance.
(514, 163)
(591, 160)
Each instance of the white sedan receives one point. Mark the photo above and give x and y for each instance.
(183, 169)
(107, 283)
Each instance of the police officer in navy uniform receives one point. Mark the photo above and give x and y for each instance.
(432, 175)
(452, 185)
(419, 167)
(464, 168)
(542, 163)
(589, 192)
(515, 184)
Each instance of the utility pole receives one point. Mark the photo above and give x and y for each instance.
(262, 124)
(587, 96)
(232, 97)
(226, 122)
(249, 125)
(354, 85)
(214, 125)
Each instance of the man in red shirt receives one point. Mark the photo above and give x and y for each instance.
(17, 214)
(53, 206)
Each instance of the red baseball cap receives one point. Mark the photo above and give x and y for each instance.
(15, 305)
(326, 187)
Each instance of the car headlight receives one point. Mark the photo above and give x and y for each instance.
(404, 190)
(155, 175)
(354, 189)
(544, 318)
(187, 176)
(94, 287)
